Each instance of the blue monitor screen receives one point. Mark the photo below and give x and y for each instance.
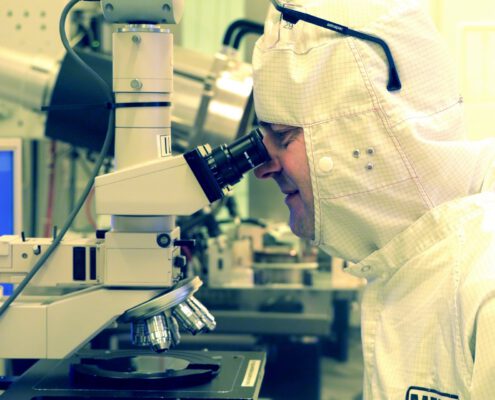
(6, 192)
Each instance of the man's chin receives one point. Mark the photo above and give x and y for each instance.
(300, 230)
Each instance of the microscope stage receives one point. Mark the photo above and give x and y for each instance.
(142, 375)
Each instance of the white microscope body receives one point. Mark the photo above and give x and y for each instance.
(88, 284)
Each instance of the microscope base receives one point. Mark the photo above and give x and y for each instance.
(219, 375)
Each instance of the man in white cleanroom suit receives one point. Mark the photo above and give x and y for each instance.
(380, 174)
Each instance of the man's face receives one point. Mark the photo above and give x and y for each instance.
(290, 169)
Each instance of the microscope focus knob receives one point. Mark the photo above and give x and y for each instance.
(180, 261)
(185, 243)
(163, 240)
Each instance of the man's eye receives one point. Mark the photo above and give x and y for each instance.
(288, 137)
(285, 143)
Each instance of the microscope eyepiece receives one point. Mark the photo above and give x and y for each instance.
(230, 162)
(225, 165)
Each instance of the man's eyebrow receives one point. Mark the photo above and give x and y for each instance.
(282, 129)
(268, 126)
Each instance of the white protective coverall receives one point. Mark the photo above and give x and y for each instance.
(408, 199)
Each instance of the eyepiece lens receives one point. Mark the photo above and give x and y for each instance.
(230, 162)
(224, 166)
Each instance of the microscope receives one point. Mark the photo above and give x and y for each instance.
(133, 273)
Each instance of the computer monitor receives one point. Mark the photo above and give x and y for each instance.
(10, 186)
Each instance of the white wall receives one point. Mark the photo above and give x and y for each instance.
(469, 29)
(205, 22)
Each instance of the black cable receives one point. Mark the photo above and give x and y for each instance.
(237, 24)
(89, 185)
(34, 186)
(244, 32)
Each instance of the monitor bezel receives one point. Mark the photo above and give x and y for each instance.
(15, 146)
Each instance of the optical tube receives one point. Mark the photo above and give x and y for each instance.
(230, 162)
(225, 165)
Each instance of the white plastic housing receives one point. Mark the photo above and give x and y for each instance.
(160, 187)
(55, 327)
(135, 259)
(146, 11)
(142, 73)
(17, 258)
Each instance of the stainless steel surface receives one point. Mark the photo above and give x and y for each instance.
(202, 312)
(212, 101)
(158, 333)
(173, 327)
(165, 301)
(188, 319)
(139, 334)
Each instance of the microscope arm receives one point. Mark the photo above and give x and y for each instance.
(56, 327)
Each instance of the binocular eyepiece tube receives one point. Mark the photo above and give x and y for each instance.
(218, 169)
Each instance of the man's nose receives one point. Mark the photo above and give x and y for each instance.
(267, 169)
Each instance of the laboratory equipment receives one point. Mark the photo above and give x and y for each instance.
(99, 280)
(181, 375)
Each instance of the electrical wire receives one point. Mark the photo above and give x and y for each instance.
(87, 209)
(106, 145)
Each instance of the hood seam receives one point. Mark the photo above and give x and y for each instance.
(333, 118)
(370, 191)
(432, 114)
(386, 123)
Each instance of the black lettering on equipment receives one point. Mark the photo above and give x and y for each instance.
(421, 393)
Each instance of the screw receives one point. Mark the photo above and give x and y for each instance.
(166, 8)
(370, 151)
(356, 153)
(24, 255)
(136, 39)
(136, 84)
(369, 166)
(109, 7)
